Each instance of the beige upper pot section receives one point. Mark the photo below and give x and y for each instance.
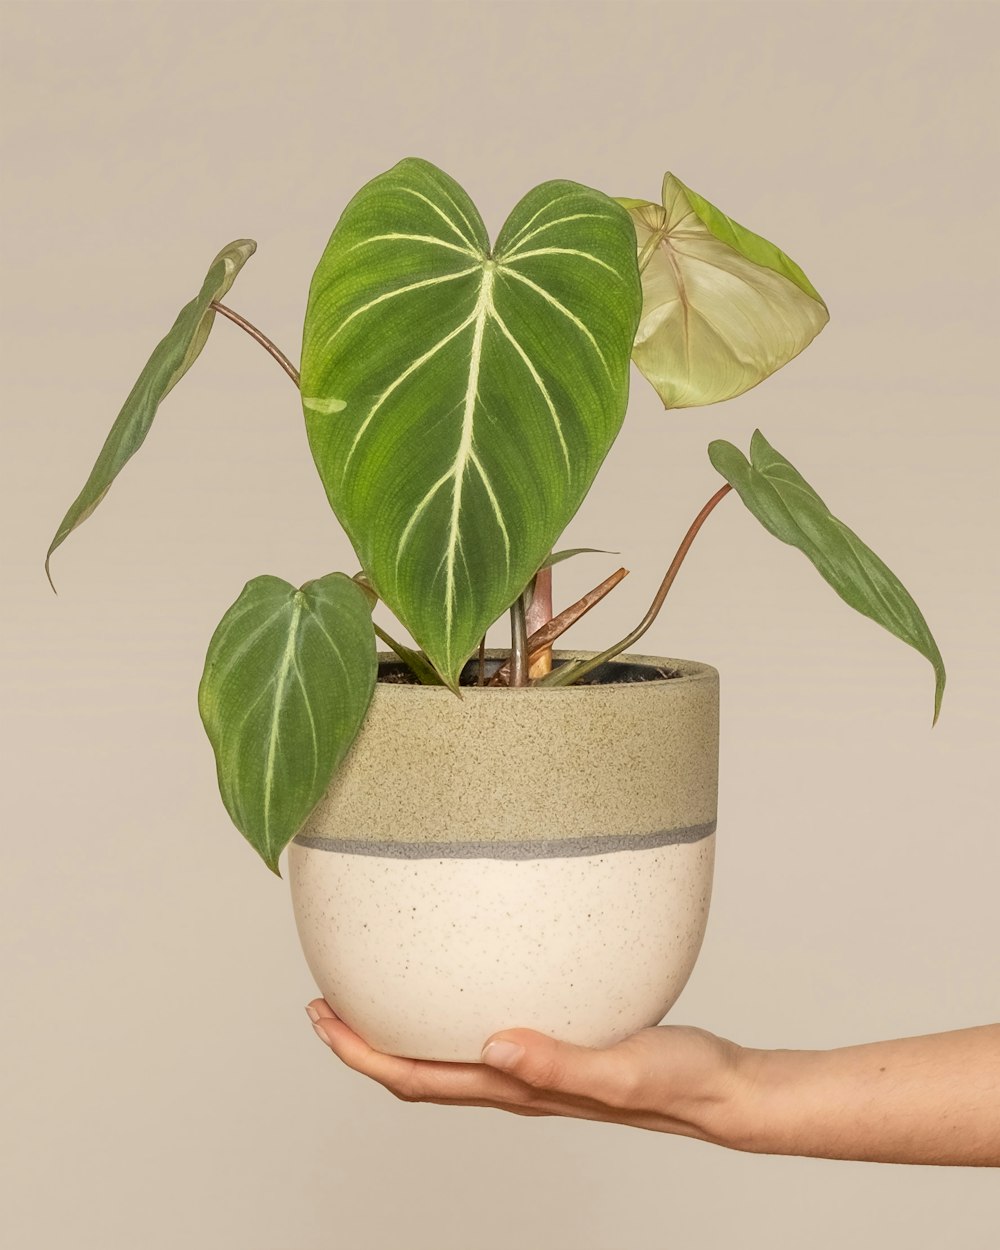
(519, 765)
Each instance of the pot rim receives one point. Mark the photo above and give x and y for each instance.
(690, 671)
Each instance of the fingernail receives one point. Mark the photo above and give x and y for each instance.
(502, 1054)
(312, 1013)
(320, 1034)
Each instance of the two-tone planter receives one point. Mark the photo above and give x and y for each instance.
(536, 858)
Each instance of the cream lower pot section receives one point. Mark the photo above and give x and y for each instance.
(428, 957)
(533, 857)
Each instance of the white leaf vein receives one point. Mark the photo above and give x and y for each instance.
(561, 251)
(536, 378)
(397, 291)
(516, 236)
(395, 235)
(418, 512)
(561, 307)
(495, 505)
(287, 661)
(410, 369)
(441, 213)
(523, 238)
(484, 308)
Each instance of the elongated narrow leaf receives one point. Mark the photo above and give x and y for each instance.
(459, 401)
(171, 359)
(786, 505)
(557, 557)
(287, 682)
(722, 307)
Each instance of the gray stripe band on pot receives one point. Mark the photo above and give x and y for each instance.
(551, 848)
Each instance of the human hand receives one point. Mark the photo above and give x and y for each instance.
(670, 1079)
(932, 1099)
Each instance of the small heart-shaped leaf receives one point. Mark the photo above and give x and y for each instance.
(287, 682)
(788, 507)
(722, 307)
(172, 357)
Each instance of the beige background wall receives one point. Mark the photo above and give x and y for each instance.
(163, 1087)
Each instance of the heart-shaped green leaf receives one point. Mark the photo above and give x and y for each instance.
(786, 505)
(171, 359)
(459, 401)
(722, 308)
(287, 682)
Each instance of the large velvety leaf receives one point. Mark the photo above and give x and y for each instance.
(459, 401)
(287, 682)
(786, 505)
(171, 359)
(722, 307)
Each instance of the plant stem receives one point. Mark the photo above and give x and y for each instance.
(481, 676)
(568, 673)
(518, 644)
(261, 338)
(553, 629)
(539, 614)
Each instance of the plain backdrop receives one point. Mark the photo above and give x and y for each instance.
(163, 1088)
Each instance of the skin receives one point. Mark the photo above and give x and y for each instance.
(933, 1099)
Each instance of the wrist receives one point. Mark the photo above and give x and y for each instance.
(714, 1101)
(743, 1114)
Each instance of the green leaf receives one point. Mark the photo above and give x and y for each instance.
(722, 307)
(557, 557)
(786, 505)
(171, 359)
(459, 401)
(287, 682)
(415, 661)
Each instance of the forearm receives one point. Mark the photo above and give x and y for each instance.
(933, 1099)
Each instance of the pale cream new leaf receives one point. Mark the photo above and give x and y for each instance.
(722, 308)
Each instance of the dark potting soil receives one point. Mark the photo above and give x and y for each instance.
(612, 672)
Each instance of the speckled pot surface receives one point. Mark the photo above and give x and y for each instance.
(535, 858)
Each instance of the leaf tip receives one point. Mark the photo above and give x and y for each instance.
(48, 574)
(938, 695)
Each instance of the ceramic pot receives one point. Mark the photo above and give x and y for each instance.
(529, 858)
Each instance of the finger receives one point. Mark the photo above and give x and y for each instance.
(320, 1007)
(358, 1055)
(420, 1080)
(608, 1076)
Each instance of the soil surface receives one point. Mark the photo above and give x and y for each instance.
(611, 673)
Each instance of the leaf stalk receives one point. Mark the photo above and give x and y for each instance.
(518, 643)
(539, 613)
(566, 674)
(543, 638)
(259, 337)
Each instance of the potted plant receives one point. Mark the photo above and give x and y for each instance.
(484, 838)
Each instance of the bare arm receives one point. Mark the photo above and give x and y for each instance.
(932, 1099)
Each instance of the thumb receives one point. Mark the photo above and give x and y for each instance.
(545, 1063)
